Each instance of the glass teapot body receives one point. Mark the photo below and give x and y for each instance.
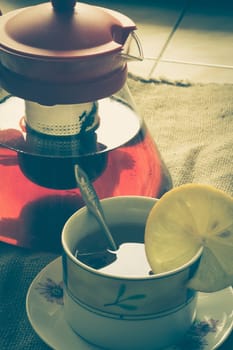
(38, 187)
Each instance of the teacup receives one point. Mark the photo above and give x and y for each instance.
(117, 310)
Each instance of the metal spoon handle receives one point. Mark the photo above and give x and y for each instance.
(92, 201)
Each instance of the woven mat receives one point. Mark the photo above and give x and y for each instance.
(193, 128)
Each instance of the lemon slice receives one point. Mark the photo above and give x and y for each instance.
(186, 219)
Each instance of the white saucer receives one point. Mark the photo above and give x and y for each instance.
(44, 303)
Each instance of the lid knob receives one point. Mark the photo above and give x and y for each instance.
(63, 5)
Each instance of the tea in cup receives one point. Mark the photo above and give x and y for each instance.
(112, 299)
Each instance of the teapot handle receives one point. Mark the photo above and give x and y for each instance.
(126, 53)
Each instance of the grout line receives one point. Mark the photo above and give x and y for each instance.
(169, 38)
(167, 60)
(213, 65)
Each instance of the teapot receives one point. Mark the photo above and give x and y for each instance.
(65, 101)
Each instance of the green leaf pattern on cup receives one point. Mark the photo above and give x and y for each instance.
(123, 301)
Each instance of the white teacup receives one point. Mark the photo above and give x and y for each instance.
(118, 311)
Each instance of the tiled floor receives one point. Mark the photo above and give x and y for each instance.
(182, 40)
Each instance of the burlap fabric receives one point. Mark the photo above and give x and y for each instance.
(193, 128)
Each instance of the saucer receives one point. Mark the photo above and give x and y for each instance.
(44, 304)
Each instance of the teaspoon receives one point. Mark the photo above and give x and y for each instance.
(93, 203)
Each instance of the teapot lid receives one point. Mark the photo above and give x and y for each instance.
(62, 47)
